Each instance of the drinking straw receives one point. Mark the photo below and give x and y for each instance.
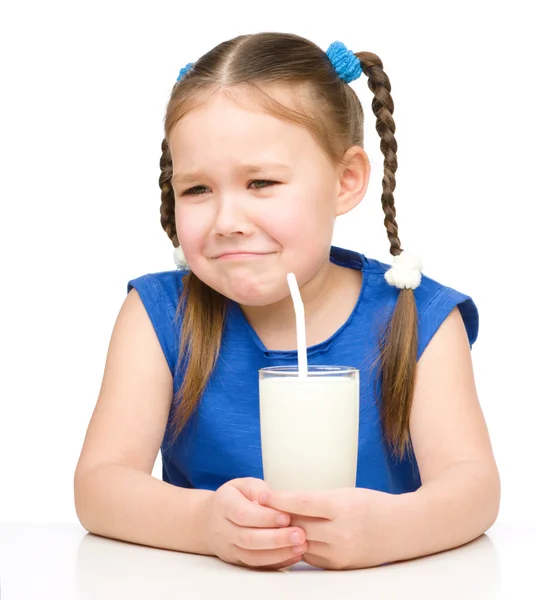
(300, 325)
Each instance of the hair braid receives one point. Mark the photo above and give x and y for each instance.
(398, 354)
(167, 206)
(383, 107)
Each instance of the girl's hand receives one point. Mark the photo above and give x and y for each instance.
(345, 528)
(241, 531)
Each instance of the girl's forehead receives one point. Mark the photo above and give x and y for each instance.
(221, 112)
(223, 123)
(237, 128)
(233, 107)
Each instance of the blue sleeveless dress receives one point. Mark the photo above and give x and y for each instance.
(222, 441)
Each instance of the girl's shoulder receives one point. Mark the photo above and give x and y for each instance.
(162, 286)
(160, 293)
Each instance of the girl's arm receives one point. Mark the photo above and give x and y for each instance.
(460, 494)
(115, 494)
(453, 509)
(119, 502)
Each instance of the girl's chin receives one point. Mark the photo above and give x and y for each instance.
(245, 298)
(244, 290)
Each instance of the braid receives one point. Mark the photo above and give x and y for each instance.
(383, 107)
(398, 346)
(167, 206)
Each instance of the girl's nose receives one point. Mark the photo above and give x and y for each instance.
(231, 219)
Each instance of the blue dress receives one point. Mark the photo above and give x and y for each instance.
(223, 441)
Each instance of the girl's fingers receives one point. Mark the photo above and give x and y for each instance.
(250, 487)
(267, 558)
(269, 539)
(245, 513)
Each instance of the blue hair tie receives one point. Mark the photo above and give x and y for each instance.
(184, 70)
(347, 65)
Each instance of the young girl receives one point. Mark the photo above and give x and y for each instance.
(263, 149)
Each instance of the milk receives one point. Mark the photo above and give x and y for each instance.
(309, 430)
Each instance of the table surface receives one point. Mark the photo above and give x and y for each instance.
(64, 561)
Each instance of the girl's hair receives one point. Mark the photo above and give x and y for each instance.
(331, 111)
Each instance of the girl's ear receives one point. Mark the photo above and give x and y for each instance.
(353, 179)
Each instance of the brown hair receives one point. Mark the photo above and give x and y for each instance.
(331, 111)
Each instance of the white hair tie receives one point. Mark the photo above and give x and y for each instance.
(406, 271)
(179, 258)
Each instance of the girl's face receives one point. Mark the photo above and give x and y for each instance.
(246, 181)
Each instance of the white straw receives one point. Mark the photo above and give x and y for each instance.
(300, 324)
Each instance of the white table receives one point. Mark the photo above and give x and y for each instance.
(63, 562)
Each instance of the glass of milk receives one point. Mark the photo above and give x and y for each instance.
(309, 427)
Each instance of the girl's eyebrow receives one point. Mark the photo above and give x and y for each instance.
(179, 177)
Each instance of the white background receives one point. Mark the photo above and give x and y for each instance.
(85, 86)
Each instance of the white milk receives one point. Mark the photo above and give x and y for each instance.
(309, 431)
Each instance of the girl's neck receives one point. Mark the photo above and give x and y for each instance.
(328, 303)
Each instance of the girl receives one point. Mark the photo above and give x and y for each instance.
(263, 149)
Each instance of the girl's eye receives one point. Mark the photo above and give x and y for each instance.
(193, 191)
(263, 181)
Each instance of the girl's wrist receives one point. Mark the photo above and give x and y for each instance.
(202, 518)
